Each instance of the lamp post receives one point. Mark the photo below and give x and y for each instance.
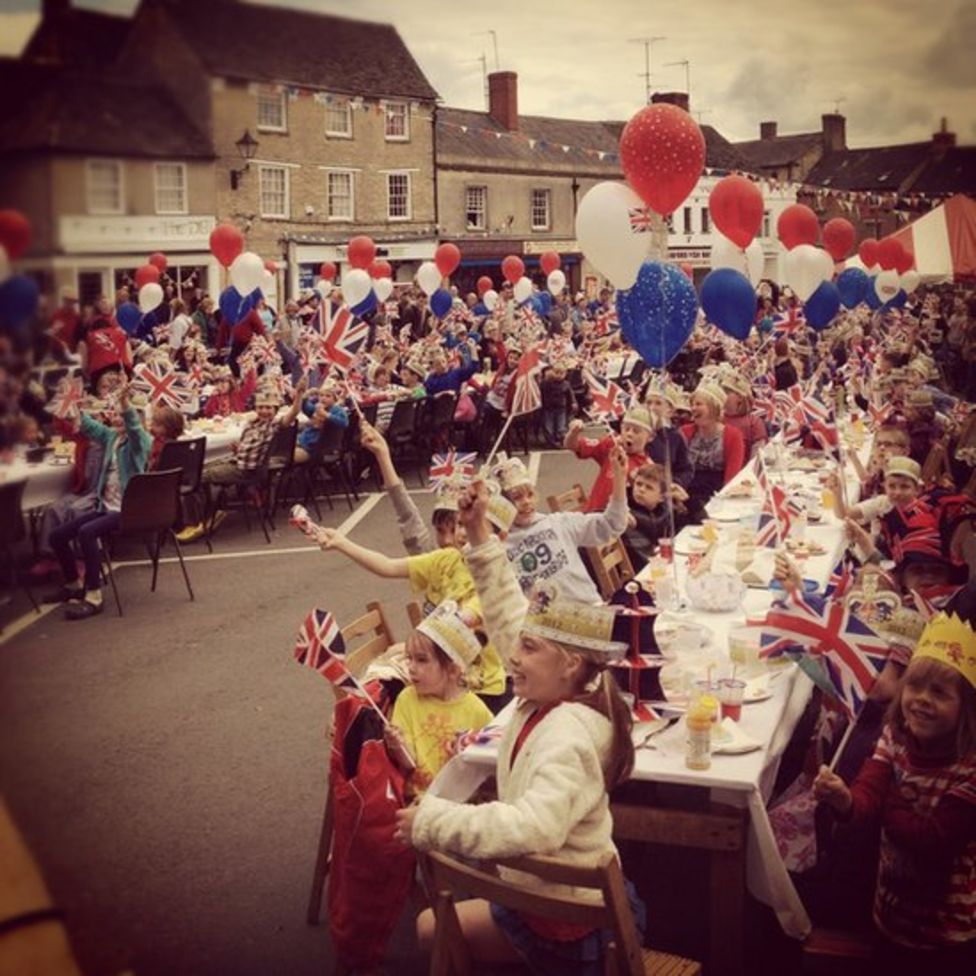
(247, 146)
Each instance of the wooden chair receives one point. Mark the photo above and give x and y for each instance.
(446, 876)
(609, 564)
(415, 613)
(936, 470)
(374, 627)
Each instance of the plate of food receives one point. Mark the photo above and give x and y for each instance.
(802, 548)
(757, 690)
(741, 489)
(729, 739)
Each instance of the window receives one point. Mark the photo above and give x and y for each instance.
(540, 209)
(104, 186)
(338, 117)
(706, 221)
(767, 224)
(397, 126)
(476, 207)
(339, 198)
(687, 219)
(274, 191)
(271, 110)
(398, 196)
(89, 287)
(170, 188)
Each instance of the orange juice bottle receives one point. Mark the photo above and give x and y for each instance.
(698, 749)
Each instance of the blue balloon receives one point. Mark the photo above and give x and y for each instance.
(544, 302)
(441, 302)
(480, 309)
(233, 306)
(729, 300)
(823, 305)
(128, 316)
(899, 300)
(18, 300)
(366, 305)
(658, 313)
(852, 283)
(871, 296)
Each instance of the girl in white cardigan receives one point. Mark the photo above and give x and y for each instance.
(567, 745)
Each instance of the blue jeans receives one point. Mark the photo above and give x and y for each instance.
(87, 529)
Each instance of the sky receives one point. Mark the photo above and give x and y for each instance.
(894, 68)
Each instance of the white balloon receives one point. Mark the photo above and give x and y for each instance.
(429, 278)
(556, 282)
(910, 280)
(151, 296)
(522, 289)
(606, 236)
(726, 254)
(886, 285)
(4, 264)
(383, 288)
(490, 298)
(755, 262)
(268, 284)
(247, 272)
(324, 287)
(807, 267)
(356, 285)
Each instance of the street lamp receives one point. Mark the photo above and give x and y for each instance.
(247, 146)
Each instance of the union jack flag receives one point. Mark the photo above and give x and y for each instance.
(195, 375)
(789, 323)
(527, 396)
(162, 385)
(834, 646)
(609, 401)
(446, 467)
(66, 402)
(479, 737)
(607, 321)
(320, 646)
(299, 517)
(643, 712)
(343, 334)
(932, 599)
(774, 520)
(311, 349)
(261, 351)
(789, 406)
(841, 577)
(879, 414)
(822, 423)
(641, 220)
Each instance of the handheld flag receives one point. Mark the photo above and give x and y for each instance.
(66, 402)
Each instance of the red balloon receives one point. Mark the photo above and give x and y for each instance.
(226, 242)
(484, 284)
(662, 152)
(361, 251)
(550, 262)
(890, 253)
(15, 233)
(158, 259)
(797, 225)
(447, 257)
(380, 269)
(838, 238)
(148, 274)
(513, 268)
(271, 267)
(736, 206)
(328, 270)
(868, 252)
(688, 270)
(906, 261)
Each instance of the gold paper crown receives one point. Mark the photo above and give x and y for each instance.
(501, 512)
(448, 492)
(639, 416)
(902, 631)
(577, 624)
(449, 630)
(951, 641)
(664, 390)
(735, 383)
(510, 472)
(711, 391)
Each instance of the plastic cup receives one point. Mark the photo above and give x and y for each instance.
(665, 547)
(730, 694)
(743, 645)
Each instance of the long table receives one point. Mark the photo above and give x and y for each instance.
(728, 818)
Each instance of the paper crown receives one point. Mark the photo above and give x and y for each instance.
(222, 373)
(416, 367)
(904, 467)
(639, 416)
(666, 391)
(902, 630)
(735, 383)
(919, 398)
(951, 641)
(448, 492)
(510, 472)
(450, 631)
(710, 390)
(579, 625)
(500, 512)
(921, 365)
(267, 396)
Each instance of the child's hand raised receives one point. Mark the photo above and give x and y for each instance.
(829, 788)
(329, 538)
(787, 573)
(472, 512)
(618, 460)
(858, 535)
(371, 438)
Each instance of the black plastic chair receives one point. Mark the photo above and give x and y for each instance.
(187, 455)
(280, 467)
(436, 427)
(327, 459)
(247, 495)
(12, 531)
(150, 509)
(401, 435)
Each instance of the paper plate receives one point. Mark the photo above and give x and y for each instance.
(728, 739)
(809, 586)
(757, 690)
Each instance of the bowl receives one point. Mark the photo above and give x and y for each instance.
(716, 592)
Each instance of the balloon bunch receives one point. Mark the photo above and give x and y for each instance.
(891, 276)
(431, 275)
(19, 294)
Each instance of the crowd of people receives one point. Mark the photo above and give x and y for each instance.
(510, 605)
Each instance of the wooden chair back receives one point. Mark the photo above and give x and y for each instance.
(571, 500)
(375, 628)
(415, 613)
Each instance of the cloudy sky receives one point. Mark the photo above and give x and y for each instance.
(897, 66)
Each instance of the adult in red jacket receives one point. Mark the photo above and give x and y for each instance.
(717, 449)
(103, 344)
(240, 335)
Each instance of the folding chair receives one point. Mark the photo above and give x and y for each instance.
(187, 455)
(609, 564)
(401, 435)
(248, 495)
(447, 877)
(373, 626)
(327, 458)
(281, 464)
(150, 508)
(12, 531)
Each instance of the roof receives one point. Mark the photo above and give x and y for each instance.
(77, 37)
(720, 153)
(778, 151)
(953, 172)
(73, 111)
(275, 44)
(876, 168)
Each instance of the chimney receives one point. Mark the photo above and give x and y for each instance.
(943, 139)
(681, 99)
(767, 130)
(503, 98)
(834, 130)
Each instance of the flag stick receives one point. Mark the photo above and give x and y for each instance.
(843, 743)
(498, 442)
